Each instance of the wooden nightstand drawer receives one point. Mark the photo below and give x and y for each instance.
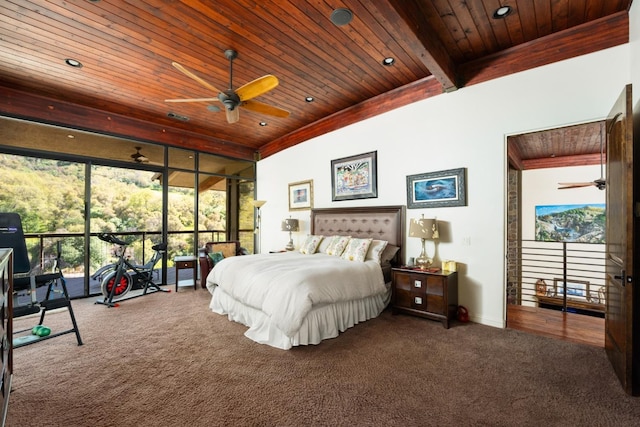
(433, 295)
(408, 299)
(185, 264)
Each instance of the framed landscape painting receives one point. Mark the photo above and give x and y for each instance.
(354, 177)
(437, 189)
(584, 223)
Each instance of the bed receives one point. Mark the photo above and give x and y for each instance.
(305, 296)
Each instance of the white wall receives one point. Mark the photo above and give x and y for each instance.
(634, 43)
(466, 128)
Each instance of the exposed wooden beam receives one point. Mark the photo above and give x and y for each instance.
(562, 161)
(603, 33)
(24, 105)
(424, 42)
(515, 157)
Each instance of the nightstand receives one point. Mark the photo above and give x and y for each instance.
(433, 295)
(186, 262)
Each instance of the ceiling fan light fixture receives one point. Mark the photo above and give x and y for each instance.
(138, 157)
(341, 16)
(73, 63)
(502, 12)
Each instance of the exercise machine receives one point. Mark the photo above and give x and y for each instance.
(122, 276)
(26, 283)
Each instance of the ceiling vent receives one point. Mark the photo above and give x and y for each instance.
(177, 117)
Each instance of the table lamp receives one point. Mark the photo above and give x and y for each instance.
(290, 225)
(425, 229)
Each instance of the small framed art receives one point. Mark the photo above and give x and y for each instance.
(576, 289)
(437, 189)
(354, 177)
(301, 195)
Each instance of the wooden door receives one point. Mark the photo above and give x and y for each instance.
(620, 301)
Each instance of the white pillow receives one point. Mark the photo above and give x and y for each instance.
(324, 244)
(356, 249)
(337, 245)
(375, 250)
(310, 244)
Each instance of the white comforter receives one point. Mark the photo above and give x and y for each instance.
(286, 286)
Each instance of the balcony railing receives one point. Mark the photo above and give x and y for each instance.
(557, 275)
(42, 248)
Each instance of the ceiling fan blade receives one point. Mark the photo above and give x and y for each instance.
(194, 77)
(257, 87)
(259, 107)
(233, 115)
(575, 185)
(192, 100)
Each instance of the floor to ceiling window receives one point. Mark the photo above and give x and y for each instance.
(69, 185)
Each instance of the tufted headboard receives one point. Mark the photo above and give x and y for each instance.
(378, 222)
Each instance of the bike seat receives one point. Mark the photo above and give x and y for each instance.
(161, 247)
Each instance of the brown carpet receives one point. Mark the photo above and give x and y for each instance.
(166, 360)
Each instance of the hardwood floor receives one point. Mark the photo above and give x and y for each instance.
(556, 324)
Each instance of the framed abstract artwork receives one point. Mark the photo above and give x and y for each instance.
(437, 189)
(301, 195)
(354, 177)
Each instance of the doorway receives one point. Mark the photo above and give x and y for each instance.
(546, 260)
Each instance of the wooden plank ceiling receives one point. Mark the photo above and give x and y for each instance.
(127, 47)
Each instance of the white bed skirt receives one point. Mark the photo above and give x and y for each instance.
(321, 323)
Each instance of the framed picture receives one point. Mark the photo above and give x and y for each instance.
(354, 177)
(437, 189)
(576, 289)
(301, 195)
(583, 223)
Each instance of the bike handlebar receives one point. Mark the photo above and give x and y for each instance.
(110, 238)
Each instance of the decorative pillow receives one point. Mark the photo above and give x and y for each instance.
(324, 244)
(216, 257)
(356, 249)
(388, 253)
(337, 245)
(310, 244)
(375, 250)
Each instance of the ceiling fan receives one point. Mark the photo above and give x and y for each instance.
(240, 97)
(599, 183)
(138, 157)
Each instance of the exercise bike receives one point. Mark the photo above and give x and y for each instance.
(122, 276)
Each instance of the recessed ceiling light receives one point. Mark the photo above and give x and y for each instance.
(309, 99)
(501, 12)
(263, 124)
(388, 61)
(341, 16)
(73, 63)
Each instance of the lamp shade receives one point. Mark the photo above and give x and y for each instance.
(258, 203)
(424, 228)
(290, 224)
